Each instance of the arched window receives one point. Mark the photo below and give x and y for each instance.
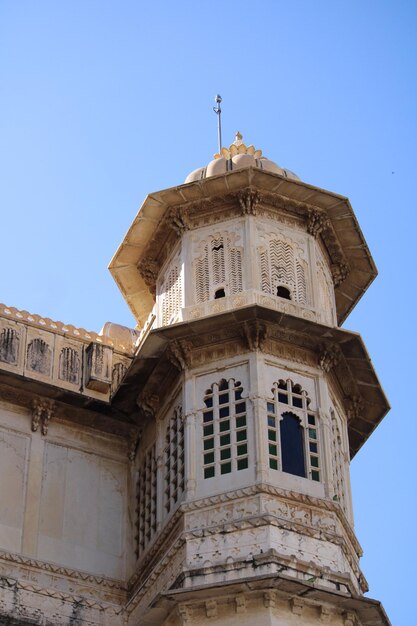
(293, 444)
(225, 429)
(174, 460)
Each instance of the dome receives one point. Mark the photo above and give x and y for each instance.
(121, 335)
(238, 156)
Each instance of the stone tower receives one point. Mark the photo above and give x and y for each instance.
(195, 471)
(250, 400)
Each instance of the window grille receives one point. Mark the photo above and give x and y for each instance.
(174, 460)
(225, 429)
(292, 448)
(219, 267)
(171, 294)
(146, 500)
(281, 267)
(337, 450)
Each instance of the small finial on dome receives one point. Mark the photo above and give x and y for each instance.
(238, 139)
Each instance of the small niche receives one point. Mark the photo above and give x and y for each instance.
(219, 294)
(283, 292)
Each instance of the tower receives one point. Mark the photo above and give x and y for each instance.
(251, 398)
(195, 470)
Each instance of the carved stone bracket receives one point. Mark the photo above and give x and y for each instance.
(325, 614)
(240, 602)
(135, 435)
(270, 599)
(211, 608)
(297, 606)
(178, 353)
(42, 412)
(248, 201)
(148, 404)
(349, 619)
(185, 612)
(255, 335)
(317, 221)
(329, 357)
(355, 407)
(149, 269)
(340, 271)
(178, 220)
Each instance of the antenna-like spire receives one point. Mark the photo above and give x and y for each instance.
(218, 111)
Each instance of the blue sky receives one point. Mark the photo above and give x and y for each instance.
(103, 102)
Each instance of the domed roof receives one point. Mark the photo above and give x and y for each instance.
(238, 156)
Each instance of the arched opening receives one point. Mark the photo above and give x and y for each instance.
(292, 445)
(219, 293)
(283, 292)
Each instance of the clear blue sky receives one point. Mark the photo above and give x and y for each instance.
(103, 102)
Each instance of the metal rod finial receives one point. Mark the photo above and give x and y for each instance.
(217, 109)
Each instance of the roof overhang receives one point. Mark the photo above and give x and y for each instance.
(164, 214)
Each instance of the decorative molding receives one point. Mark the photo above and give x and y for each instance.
(325, 614)
(330, 355)
(185, 612)
(135, 435)
(240, 602)
(42, 412)
(349, 619)
(356, 407)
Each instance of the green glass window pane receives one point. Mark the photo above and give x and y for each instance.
(272, 449)
(208, 430)
(242, 464)
(209, 458)
(209, 472)
(208, 444)
(313, 446)
(273, 464)
(270, 407)
(224, 412)
(241, 435)
(225, 454)
(240, 421)
(312, 420)
(223, 398)
(312, 433)
(207, 416)
(272, 435)
(242, 449)
(226, 468)
(224, 426)
(241, 407)
(314, 461)
(271, 421)
(315, 475)
(225, 440)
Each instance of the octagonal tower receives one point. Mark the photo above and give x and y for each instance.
(248, 399)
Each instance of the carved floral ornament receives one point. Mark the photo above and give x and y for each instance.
(42, 412)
